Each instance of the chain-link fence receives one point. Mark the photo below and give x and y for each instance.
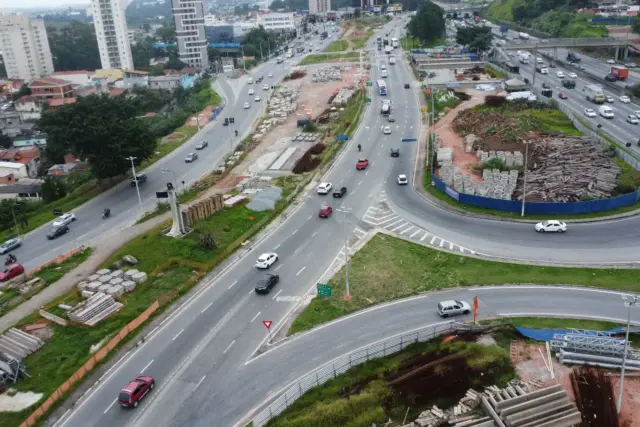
(342, 364)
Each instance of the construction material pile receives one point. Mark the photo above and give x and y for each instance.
(114, 283)
(343, 96)
(569, 169)
(594, 348)
(595, 398)
(282, 103)
(332, 73)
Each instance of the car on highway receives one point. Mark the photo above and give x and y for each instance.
(407, 86)
(202, 145)
(611, 61)
(10, 245)
(132, 394)
(324, 188)
(563, 95)
(573, 75)
(633, 119)
(386, 130)
(590, 112)
(139, 178)
(266, 283)
(265, 87)
(560, 75)
(250, 81)
(391, 119)
(251, 92)
(553, 226)
(402, 179)
(10, 272)
(625, 99)
(339, 193)
(631, 65)
(546, 86)
(257, 99)
(247, 106)
(266, 260)
(325, 211)
(609, 99)
(395, 152)
(270, 75)
(56, 232)
(64, 219)
(362, 164)
(453, 307)
(191, 157)
(383, 67)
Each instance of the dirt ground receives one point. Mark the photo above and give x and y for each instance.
(201, 117)
(630, 413)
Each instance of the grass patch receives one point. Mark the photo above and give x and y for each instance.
(410, 42)
(388, 268)
(359, 43)
(347, 123)
(337, 46)
(372, 400)
(171, 142)
(553, 120)
(495, 73)
(329, 57)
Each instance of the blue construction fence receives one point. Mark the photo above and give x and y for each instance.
(538, 207)
(216, 112)
(547, 334)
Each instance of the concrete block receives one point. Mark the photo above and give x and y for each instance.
(105, 278)
(93, 277)
(103, 272)
(116, 281)
(117, 274)
(129, 273)
(141, 277)
(128, 285)
(86, 294)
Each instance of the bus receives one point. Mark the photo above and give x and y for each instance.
(394, 43)
(382, 87)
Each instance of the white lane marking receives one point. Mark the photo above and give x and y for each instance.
(563, 288)
(177, 335)
(251, 291)
(398, 227)
(310, 216)
(109, 407)
(441, 242)
(276, 246)
(227, 349)
(407, 230)
(232, 285)
(414, 233)
(461, 249)
(278, 267)
(367, 172)
(565, 315)
(450, 246)
(145, 368)
(200, 382)
(424, 237)
(276, 295)
(314, 233)
(359, 183)
(301, 270)
(432, 240)
(255, 317)
(205, 309)
(392, 224)
(294, 232)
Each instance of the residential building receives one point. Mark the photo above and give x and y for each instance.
(25, 47)
(80, 77)
(15, 129)
(112, 34)
(9, 117)
(28, 108)
(31, 190)
(30, 141)
(277, 22)
(192, 41)
(209, 20)
(319, 6)
(71, 164)
(165, 82)
(227, 32)
(18, 170)
(51, 88)
(29, 157)
(135, 78)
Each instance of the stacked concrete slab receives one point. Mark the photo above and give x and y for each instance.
(282, 104)
(98, 307)
(343, 97)
(17, 344)
(444, 155)
(330, 73)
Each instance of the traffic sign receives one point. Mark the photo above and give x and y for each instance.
(369, 83)
(342, 137)
(324, 290)
(267, 323)
(367, 100)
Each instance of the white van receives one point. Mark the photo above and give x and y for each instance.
(250, 81)
(383, 73)
(606, 112)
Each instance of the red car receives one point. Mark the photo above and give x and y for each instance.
(133, 393)
(10, 272)
(325, 211)
(562, 95)
(362, 164)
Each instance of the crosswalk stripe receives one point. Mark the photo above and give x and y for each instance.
(461, 249)
(424, 237)
(393, 218)
(432, 240)
(393, 223)
(386, 216)
(441, 242)
(450, 246)
(414, 233)
(407, 230)
(398, 227)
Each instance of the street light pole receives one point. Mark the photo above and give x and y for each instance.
(524, 179)
(345, 211)
(135, 179)
(635, 301)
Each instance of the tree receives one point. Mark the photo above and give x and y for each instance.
(428, 23)
(258, 41)
(156, 71)
(74, 47)
(166, 33)
(635, 89)
(24, 91)
(5, 141)
(101, 129)
(475, 38)
(636, 26)
(3, 70)
(53, 189)
(146, 27)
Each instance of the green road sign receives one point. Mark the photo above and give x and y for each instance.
(324, 290)
(367, 100)
(369, 83)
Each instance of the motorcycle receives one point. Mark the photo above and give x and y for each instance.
(11, 259)
(236, 133)
(106, 214)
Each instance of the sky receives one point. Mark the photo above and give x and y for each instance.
(39, 3)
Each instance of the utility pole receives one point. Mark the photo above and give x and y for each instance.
(345, 211)
(135, 179)
(524, 179)
(633, 302)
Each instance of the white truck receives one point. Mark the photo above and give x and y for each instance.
(387, 49)
(392, 60)
(594, 93)
(529, 96)
(523, 58)
(523, 36)
(385, 109)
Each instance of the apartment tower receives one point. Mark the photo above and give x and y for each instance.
(112, 34)
(25, 47)
(192, 40)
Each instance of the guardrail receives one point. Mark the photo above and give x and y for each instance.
(577, 43)
(342, 364)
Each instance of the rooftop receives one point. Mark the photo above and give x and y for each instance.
(21, 188)
(62, 101)
(11, 165)
(48, 82)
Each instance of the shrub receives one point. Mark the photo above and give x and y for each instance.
(317, 149)
(310, 127)
(207, 242)
(494, 100)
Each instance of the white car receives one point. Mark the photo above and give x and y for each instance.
(633, 119)
(402, 179)
(386, 130)
(324, 188)
(247, 106)
(64, 219)
(625, 99)
(637, 113)
(573, 75)
(453, 307)
(609, 99)
(270, 75)
(553, 226)
(266, 260)
(257, 99)
(610, 61)
(590, 113)
(265, 87)
(251, 92)
(383, 67)
(560, 75)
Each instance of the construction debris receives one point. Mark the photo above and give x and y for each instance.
(98, 307)
(282, 103)
(327, 74)
(594, 348)
(595, 397)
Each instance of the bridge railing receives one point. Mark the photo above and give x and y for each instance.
(566, 42)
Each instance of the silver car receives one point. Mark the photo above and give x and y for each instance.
(9, 245)
(191, 157)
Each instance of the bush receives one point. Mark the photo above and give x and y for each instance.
(310, 127)
(317, 149)
(207, 242)
(494, 100)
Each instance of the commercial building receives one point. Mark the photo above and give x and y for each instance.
(319, 6)
(224, 32)
(188, 16)
(25, 47)
(112, 34)
(277, 22)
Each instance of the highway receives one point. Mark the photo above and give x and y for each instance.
(198, 354)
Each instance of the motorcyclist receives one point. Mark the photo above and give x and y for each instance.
(359, 147)
(236, 133)
(106, 213)
(10, 259)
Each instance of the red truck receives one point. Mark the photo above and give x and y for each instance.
(619, 72)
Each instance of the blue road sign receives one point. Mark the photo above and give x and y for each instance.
(342, 138)
(409, 139)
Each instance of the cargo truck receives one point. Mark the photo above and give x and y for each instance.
(387, 49)
(572, 57)
(542, 69)
(619, 72)
(392, 60)
(385, 109)
(594, 94)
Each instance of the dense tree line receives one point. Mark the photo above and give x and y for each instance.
(524, 12)
(258, 41)
(137, 14)
(475, 38)
(74, 47)
(428, 23)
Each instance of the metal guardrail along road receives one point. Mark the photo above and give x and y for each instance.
(585, 42)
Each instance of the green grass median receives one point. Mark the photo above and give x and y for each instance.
(337, 46)
(388, 268)
(320, 58)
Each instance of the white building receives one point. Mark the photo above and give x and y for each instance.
(209, 20)
(278, 22)
(319, 6)
(79, 77)
(188, 16)
(112, 34)
(25, 47)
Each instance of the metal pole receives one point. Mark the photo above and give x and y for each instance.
(524, 183)
(175, 180)
(13, 212)
(624, 356)
(244, 65)
(135, 179)
(535, 61)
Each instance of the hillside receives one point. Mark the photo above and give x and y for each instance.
(147, 11)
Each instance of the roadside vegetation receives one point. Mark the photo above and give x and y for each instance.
(389, 268)
(360, 42)
(320, 58)
(337, 46)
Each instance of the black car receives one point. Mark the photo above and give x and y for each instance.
(339, 193)
(139, 178)
(391, 119)
(395, 152)
(57, 232)
(407, 86)
(267, 283)
(610, 78)
(546, 86)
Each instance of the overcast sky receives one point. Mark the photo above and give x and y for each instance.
(40, 3)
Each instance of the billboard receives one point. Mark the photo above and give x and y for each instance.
(395, 7)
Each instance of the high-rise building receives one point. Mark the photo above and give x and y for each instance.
(112, 34)
(25, 47)
(192, 40)
(319, 6)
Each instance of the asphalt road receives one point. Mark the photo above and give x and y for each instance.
(198, 354)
